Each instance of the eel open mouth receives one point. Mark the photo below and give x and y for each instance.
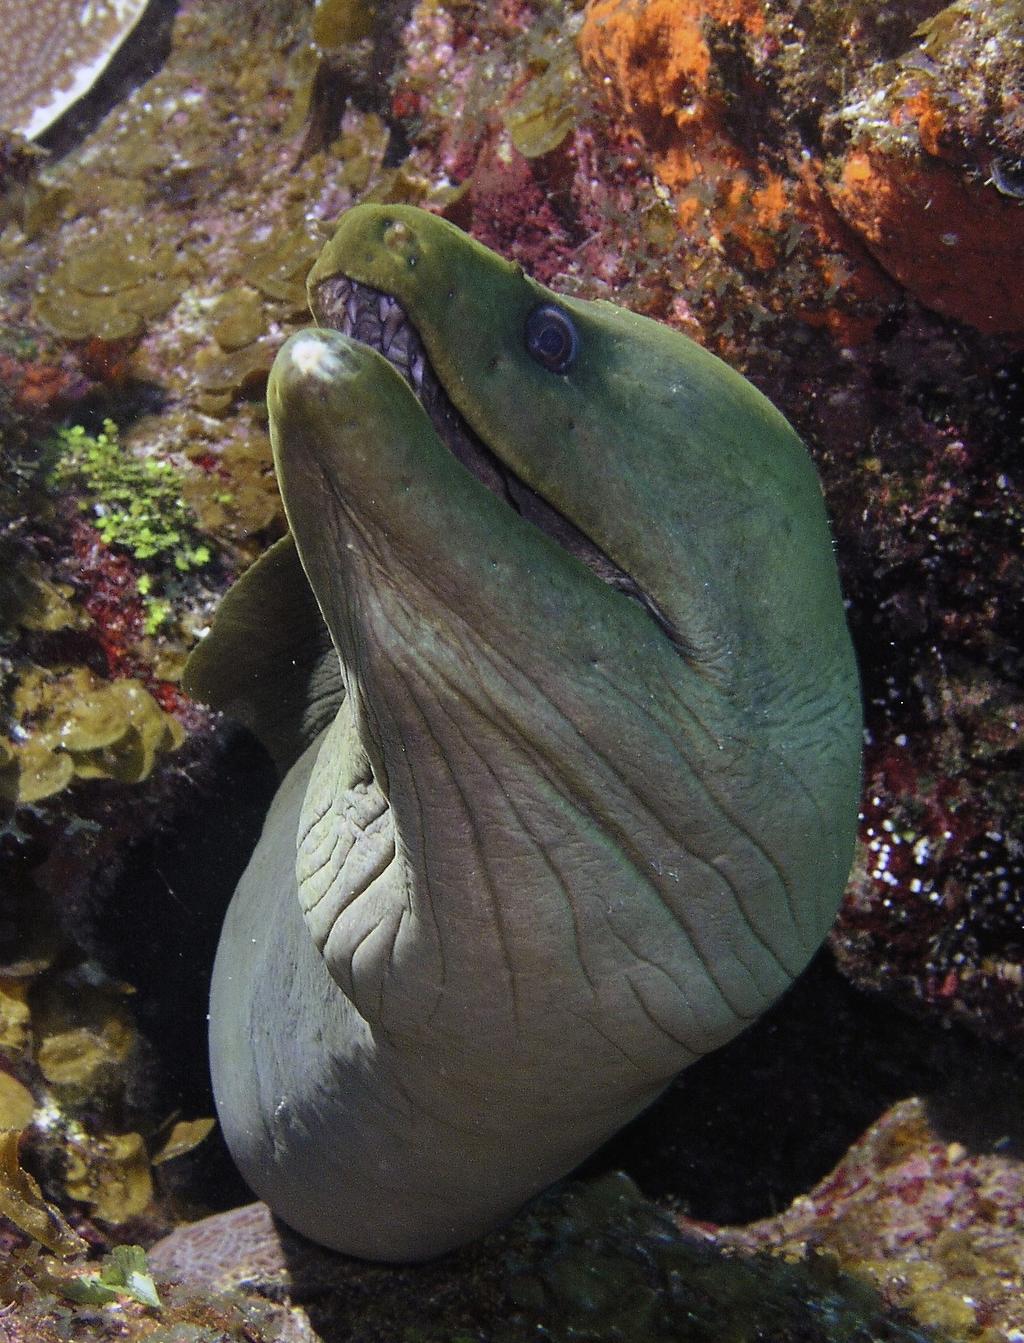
(377, 319)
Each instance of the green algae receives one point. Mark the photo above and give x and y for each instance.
(111, 1173)
(15, 1015)
(552, 103)
(360, 151)
(135, 504)
(238, 318)
(110, 287)
(240, 500)
(227, 376)
(41, 773)
(123, 1273)
(72, 725)
(31, 600)
(338, 22)
(280, 268)
(17, 1104)
(22, 1202)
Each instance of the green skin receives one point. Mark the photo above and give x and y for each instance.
(541, 859)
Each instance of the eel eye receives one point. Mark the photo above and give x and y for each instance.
(551, 338)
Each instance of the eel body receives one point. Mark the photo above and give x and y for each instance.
(555, 667)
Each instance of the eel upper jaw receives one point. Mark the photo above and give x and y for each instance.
(377, 319)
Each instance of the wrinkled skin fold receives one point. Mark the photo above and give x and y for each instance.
(571, 763)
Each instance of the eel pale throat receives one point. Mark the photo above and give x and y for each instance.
(554, 664)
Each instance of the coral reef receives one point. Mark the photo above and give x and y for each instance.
(937, 1227)
(826, 194)
(609, 1265)
(764, 120)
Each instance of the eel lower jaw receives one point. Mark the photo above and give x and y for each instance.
(377, 319)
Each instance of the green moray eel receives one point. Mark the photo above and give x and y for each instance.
(555, 666)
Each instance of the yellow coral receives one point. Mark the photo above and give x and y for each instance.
(112, 1174)
(14, 1015)
(79, 1057)
(73, 725)
(16, 1104)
